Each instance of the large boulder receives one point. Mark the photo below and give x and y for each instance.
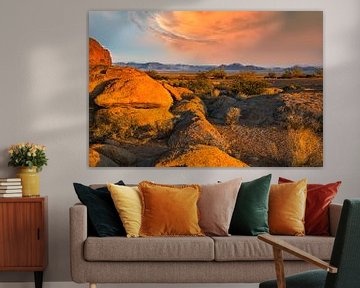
(220, 108)
(193, 104)
(98, 55)
(194, 129)
(126, 86)
(177, 92)
(121, 156)
(96, 159)
(133, 124)
(199, 156)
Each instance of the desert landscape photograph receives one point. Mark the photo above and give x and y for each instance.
(205, 88)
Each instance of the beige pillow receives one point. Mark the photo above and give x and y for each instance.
(216, 206)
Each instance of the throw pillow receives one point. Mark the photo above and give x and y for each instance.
(169, 210)
(128, 204)
(319, 197)
(250, 215)
(102, 215)
(216, 206)
(287, 204)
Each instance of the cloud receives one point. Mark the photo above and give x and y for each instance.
(235, 36)
(208, 36)
(268, 38)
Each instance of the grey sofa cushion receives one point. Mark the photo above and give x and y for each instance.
(149, 249)
(249, 248)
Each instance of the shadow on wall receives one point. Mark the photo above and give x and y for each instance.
(43, 59)
(45, 62)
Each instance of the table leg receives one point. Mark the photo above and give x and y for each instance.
(38, 279)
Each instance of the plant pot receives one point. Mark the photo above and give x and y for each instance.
(30, 181)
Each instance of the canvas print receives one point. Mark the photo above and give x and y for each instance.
(205, 88)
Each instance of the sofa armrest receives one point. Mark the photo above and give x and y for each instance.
(78, 235)
(334, 216)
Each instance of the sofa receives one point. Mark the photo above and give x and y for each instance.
(233, 259)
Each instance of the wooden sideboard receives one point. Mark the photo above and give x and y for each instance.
(23, 235)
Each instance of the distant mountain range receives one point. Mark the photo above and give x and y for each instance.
(234, 67)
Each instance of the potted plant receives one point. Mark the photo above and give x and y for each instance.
(30, 158)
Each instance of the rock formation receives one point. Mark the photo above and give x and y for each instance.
(192, 129)
(119, 155)
(193, 104)
(130, 111)
(134, 124)
(125, 86)
(177, 92)
(98, 55)
(199, 156)
(220, 108)
(98, 160)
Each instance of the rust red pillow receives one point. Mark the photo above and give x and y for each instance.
(319, 197)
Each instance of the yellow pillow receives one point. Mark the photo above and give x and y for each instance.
(287, 204)
(128, 204)
(169, 210)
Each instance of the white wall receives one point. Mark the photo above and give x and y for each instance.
(43, 90)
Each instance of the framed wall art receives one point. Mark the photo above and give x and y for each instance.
(205, 88)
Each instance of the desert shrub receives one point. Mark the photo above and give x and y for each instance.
(248, 84)
(155, 75)
(271, 75)
(294, 72)
(202, 75)
(272, 91)
(179, 83)
(232, 116)
(215, 93)
(99, 133)
(318, 72)
(216, 73)
(287, 74)
(291, 87)
(200, 85)
(304, 148)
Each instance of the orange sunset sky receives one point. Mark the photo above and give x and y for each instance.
(267, 38)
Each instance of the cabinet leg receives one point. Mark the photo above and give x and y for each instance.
(38, 279)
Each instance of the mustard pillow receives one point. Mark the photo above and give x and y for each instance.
(128, 204)
(169, 210)
(287, 204)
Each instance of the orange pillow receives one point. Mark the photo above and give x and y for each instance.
(287, 203)
(169, 210)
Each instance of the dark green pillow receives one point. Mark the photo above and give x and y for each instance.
(250, 216)
(103, 218)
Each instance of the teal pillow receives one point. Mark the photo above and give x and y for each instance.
(250, 216)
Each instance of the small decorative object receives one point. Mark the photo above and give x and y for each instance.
(30, 158)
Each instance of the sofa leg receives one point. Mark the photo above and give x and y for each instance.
(92, 285)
